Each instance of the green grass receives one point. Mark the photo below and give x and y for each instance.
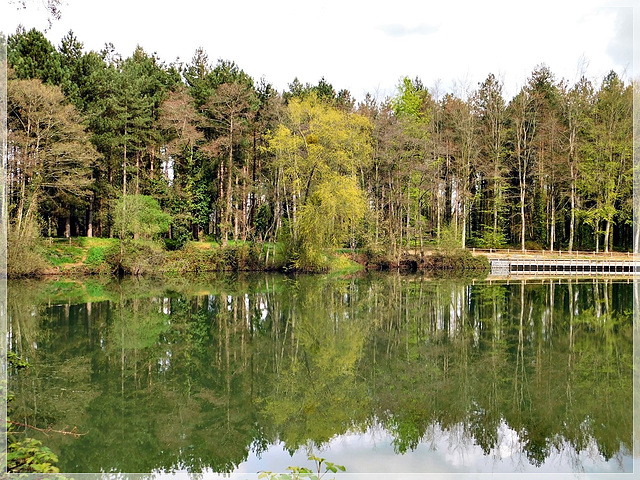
(90, 255)
(95, 256)
(342, 264)
(59, 254)
(95, 242)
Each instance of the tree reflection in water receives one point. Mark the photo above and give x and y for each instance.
(201, 376)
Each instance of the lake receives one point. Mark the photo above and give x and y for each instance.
(378, 373)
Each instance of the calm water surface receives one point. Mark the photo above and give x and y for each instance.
(379, 373)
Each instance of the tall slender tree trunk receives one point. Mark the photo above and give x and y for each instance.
(408, 215)
(464, 224)
(152, 161)
(124, 195)
(90, 218)
(572, 223)
(496, 200)
(552, 236)
(137, 173)
(23, 188)
(67, 225)
(245, 201)
(219, 214)
(607, 232)
(227, 213)
(523, 230)
(236, 220)
(252, 193)
(438, 213)
(124, 170)
(23, 177)
(377, 208)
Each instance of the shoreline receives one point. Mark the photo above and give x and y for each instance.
(85, 256)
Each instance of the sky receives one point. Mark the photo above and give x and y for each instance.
(364, 47)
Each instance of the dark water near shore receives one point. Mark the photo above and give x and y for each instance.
(376, 373)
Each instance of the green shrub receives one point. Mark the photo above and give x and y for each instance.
(173, 244)
(242, 257)
(301, 256)
(373, 253)
(135, 257)
(457, 260)
(24, 255)
(450, 239)
(180, 232)
(532, 245)
(491, 239)
(139, 216)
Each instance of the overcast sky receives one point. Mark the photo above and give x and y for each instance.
(361, 46)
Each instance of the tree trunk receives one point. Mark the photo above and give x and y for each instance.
(245, 201)
(607, 232)
(152, 161)
(21, 204)
(124, 168)
(227, 213)
(377, 208)
(572, 224)
(137, 173)
(552, 236)
(464, 224)
(124, 196)
(236, 219)
(438, 213)
(67, 225)
(495, 207)
(90, 217)
(523, 230)
(219, 214)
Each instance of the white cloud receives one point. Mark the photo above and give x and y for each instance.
(399, 30)
(620, 47)
(364, 47)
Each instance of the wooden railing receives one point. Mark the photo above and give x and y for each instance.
(549, 253)
(563, 266)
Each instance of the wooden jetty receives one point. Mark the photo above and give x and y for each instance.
(574, 266)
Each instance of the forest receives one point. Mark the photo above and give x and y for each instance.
(105, 146)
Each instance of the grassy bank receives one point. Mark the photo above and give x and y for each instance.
(108, 256)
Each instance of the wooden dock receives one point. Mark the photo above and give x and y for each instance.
(544, 266)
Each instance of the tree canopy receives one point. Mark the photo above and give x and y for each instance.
(232, 158)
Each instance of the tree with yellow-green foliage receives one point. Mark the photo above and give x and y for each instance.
(319, 155)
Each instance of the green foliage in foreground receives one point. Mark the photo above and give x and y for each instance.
(299, 473)
(29, 456)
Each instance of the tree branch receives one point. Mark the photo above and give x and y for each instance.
(49, 430)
